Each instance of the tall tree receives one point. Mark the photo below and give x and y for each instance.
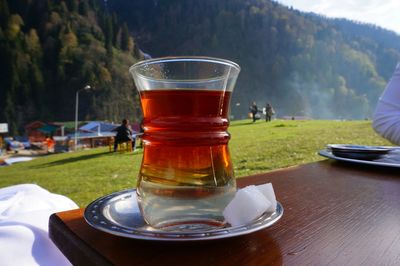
(108, 32)
(83, 7)
(72, 5)
(125, 42)
(4, 13)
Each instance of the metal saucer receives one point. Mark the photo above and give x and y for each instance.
(358, 152)
(328, 154)
(119, 214)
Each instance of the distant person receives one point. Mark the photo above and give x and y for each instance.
(49, 142)
(269, 112)
(141, 132)
(8, 144)
(124, 134)
(386, 120)
(254, 111)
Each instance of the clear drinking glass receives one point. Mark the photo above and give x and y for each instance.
(186, 177)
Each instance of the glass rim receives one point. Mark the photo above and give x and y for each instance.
(168, 59)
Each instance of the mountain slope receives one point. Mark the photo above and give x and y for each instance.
(51, 49)
(304, 64)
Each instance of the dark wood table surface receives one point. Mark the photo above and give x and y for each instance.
(334, 213)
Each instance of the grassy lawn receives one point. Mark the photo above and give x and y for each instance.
(255, 147)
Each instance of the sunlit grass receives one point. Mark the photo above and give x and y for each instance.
(260, 147)
(255, 148)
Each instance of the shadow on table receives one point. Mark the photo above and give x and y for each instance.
(252, 249)
(373, 170)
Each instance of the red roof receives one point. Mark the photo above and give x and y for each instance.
(35, 124)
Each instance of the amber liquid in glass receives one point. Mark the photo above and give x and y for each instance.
(186, 177)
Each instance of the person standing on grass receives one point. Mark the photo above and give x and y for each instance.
(269, 112)
(386, 119)
(124, 134)
(254, 111)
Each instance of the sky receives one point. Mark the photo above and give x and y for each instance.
(384, 13)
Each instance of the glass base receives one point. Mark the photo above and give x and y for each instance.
(189, 225)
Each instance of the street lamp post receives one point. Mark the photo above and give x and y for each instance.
(87, 87)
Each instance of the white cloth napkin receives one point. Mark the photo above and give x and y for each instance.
(24, 218)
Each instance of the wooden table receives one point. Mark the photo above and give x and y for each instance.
(335, 213)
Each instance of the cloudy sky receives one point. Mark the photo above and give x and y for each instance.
(385, 13)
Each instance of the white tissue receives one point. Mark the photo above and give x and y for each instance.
(268, 191)
(248, 204)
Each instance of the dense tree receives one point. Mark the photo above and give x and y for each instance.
(83, 7)
(46, 58)
(303, 63)
(108, 32)
(290, 58)
(125, 38)
(4, 13)
(72, 5)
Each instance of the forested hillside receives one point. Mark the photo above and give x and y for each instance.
(50, 49)
(304, 64)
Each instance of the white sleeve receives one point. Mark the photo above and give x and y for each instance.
(386, 119)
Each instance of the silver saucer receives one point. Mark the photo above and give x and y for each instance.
(119, 214)
(359, 152)
(328, 154)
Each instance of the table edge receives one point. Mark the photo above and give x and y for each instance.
(88, 256)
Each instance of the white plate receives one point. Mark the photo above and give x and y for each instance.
(119, 214)
(328, 154)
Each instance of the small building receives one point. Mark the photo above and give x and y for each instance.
(94, 134)
(98, 127)
(98, 133)
(3, 132)
(37, 131)
(33, 133)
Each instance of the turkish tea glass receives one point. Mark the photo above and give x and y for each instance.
(186, 177)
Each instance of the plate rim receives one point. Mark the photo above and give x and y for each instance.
(260, 223)
(328, 154)
(346, 148)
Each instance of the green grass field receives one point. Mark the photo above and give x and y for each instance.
(255, 147)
